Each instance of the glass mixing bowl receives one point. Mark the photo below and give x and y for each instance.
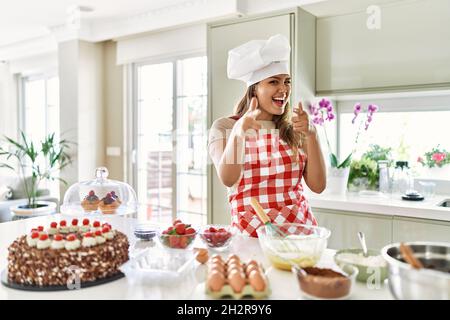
(301, 246)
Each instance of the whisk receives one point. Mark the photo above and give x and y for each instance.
(271, 229)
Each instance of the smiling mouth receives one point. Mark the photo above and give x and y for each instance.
(279, 102)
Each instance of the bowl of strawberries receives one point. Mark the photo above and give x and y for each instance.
(217, 236)
(178, 236)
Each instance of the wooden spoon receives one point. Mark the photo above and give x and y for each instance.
(409, 257)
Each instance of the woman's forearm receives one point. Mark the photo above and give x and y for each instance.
(315, 172)
(230, 164)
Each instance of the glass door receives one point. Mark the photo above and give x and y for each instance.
(171, 155)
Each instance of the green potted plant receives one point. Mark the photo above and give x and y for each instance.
(364, 174)
(436, 163)
(35, 164)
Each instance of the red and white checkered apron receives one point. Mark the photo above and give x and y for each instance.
(273, 177)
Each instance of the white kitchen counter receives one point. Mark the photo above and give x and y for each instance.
(391, 205)
(283, 284)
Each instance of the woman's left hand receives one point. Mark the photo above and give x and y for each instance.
(301, 123)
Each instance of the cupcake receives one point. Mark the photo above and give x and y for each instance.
(90, 202)
(109, 203)
(86, 227)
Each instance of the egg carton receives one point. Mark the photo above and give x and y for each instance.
(247, 291)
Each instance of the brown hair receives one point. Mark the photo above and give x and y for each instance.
(282, 122)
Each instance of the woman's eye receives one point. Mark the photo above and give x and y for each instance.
(273, 82)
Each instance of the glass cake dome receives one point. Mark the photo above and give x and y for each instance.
(100, 196)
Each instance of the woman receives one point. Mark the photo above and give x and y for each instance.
(259, 151)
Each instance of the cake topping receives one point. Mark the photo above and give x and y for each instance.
(98, 233)
(91, 196)
(96, 224)
(71, 237)
(53, 225)
(57, 237)
(43, 237)
(106, 229)
(108, 199)
(63, 223)
(107, 225)
(85, 222)
(34, 235)
(75, 222)
(88, 235)
(40, 228)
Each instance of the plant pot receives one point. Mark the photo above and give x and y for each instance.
(337, 181)
(22, 212)
(436, 173)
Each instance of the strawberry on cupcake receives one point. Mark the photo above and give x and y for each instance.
(86, 226)
(74, 226)
(72, 242)
(88, 240)
(43, 242)
(96, 225)
(32, 238)
(53, 228)
(107, 233)
(99, 237)
(63, 228)
(58, 242)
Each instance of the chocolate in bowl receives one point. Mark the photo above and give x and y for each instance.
(325, 283)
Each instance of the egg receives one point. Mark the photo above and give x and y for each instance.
(201, 255)
(250, 267)
(233, 257)
(257, 281)
(216, 281)
(217, 266)
(236, 281)
(202, 258)
(217, 259)
(235, 265)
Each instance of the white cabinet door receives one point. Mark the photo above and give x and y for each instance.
(344, 227)
(225, 93)
(410, 50)
(407, 229)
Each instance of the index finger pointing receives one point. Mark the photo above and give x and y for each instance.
(300, 108)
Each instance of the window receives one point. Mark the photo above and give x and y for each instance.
(410, 130)
(170, 135)
(40, 113)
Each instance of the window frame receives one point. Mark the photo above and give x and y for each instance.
(22, 80)
(133, 116)
(427, 101)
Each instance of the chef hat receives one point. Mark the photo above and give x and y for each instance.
(257, 60)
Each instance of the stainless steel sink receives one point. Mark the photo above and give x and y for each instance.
(445, 203)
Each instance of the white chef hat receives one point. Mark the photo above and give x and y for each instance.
(257, 60)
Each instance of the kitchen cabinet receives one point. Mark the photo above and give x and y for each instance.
(409, 229)
(345, 225)
(380, 230)
(407, 52)
(223, 93)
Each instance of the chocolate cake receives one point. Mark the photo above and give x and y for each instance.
(52, 257)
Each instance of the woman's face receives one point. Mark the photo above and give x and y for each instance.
(273, 94)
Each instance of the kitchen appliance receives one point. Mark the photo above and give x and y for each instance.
(403, 182)
(430, 282)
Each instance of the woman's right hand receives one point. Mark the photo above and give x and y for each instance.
(248, 120)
